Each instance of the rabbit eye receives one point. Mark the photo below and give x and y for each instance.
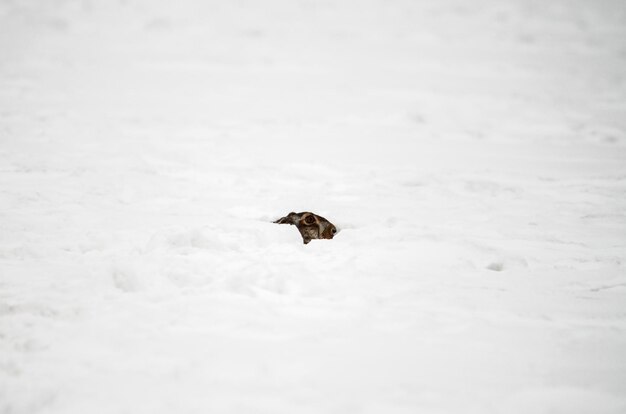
(309, 220)
(333, 230)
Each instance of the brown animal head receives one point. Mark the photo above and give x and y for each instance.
(311, 226)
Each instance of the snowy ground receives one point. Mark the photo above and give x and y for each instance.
(473, 155)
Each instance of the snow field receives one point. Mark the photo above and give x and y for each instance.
(472, 157)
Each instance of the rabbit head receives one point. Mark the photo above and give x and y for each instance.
(310, 225)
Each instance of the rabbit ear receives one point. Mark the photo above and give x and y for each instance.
(291, 218)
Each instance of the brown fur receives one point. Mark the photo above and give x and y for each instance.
(311, 226)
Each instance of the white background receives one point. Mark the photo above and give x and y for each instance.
(473, 155)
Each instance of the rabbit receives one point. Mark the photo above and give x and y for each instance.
(311, 226)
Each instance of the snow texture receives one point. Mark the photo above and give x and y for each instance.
(472, 154)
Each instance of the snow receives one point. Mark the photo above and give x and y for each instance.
(473, 156)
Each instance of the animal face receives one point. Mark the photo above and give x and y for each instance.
(311, 226)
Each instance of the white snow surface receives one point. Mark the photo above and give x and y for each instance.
(472, 154)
